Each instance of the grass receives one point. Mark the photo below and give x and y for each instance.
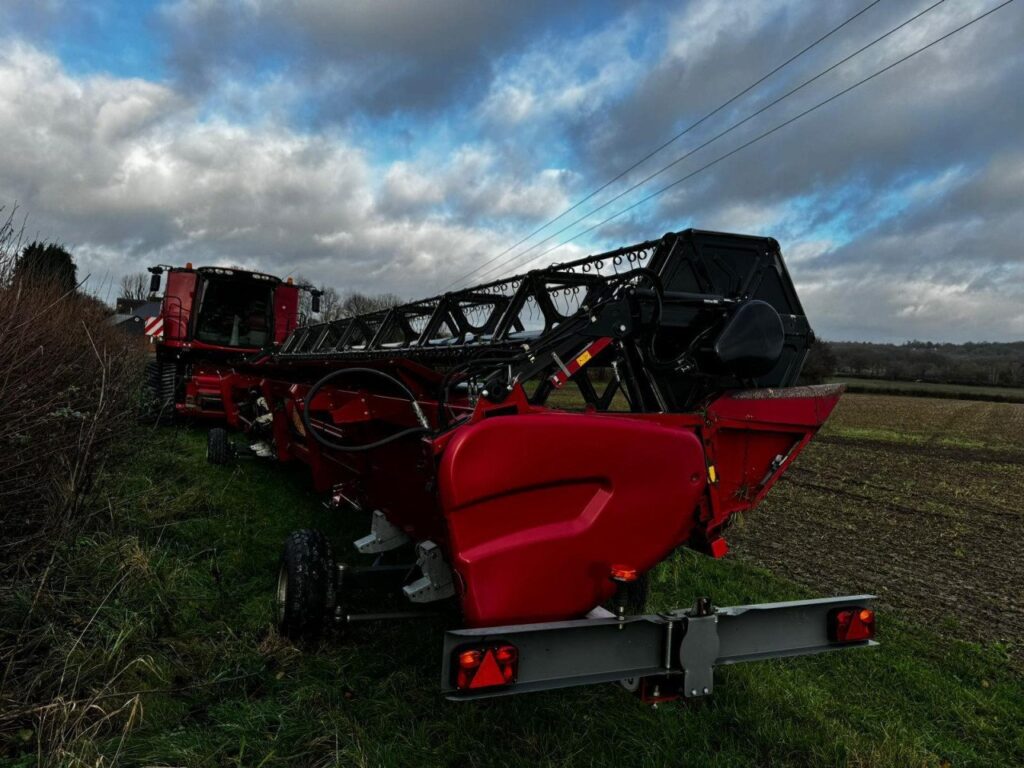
(187, 572)
(931, 389)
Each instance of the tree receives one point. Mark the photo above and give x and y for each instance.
(330, 303)
(134, 287)
(361, 303)
(820, 363)
(334, 306)
(49, 263)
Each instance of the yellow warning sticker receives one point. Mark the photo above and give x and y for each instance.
(583, 359)
(712, 475)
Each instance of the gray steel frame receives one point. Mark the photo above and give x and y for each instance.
(690, 642)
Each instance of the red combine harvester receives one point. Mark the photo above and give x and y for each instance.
(539, 443)
(210, 316)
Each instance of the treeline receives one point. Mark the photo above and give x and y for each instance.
(980, 363)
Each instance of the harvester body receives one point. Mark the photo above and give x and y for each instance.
(211, 316)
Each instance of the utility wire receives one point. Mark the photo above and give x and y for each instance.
(776, 128)
(717, 136)
(670, 141)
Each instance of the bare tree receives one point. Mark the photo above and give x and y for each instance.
(134, 287)
(334, 306)
(361, 303)
(330, 303)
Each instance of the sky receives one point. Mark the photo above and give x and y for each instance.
(399, 146)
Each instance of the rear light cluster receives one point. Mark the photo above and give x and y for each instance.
(486, 667)
(850, 625)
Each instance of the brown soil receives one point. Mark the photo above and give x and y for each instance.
(930, 518)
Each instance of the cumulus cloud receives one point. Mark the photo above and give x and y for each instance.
(395, 146)
(378, 56)
(132, 174)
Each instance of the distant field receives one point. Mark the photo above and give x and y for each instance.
(929, 389)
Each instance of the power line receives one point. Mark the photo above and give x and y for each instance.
(717, 136)
(670, 141)
(776, 128)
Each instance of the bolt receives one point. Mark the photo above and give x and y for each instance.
(705, 691)
(484, 392)
(622, 328)
(693, 692)
(593, 318)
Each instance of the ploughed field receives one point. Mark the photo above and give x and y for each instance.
(918, 500)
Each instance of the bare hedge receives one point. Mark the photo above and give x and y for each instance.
(68, 382)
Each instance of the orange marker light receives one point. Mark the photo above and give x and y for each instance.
(851, 625)
(623, 573)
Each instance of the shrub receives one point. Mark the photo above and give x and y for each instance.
(68, 385)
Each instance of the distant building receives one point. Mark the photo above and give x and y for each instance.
(128, 306)
(130, 315)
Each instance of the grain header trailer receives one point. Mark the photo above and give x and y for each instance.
(539, 443)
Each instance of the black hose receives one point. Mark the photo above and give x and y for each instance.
(366, 446)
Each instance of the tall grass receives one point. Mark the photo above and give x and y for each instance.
(68, 384)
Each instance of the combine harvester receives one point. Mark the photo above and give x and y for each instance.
(208, 317)
(450, 421)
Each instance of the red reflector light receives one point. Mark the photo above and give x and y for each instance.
(470, 659)
(851, 625)
(486, 667)
(623, 573)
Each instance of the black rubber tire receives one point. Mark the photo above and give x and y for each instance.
(218, 448)
(161, 388)
(306, 581)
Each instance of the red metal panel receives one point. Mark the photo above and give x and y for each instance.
(754, 436)
(176, 309)
(286, 311)
(540, 506)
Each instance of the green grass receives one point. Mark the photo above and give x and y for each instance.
(931, 389)
(895, 436)
(188, 570)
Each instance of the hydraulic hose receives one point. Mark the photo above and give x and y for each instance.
(424, 428)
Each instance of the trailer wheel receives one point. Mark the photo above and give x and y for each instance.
(218, 449)
(305, 585)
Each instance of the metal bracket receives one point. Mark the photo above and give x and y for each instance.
(584, 651)
(698, 653)
(383, 536)
(436, 582)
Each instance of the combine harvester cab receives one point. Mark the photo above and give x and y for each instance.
(211, 316)
(538, 511)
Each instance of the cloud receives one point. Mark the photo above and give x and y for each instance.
(403, 55)
(329, 139)
(131, 173)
